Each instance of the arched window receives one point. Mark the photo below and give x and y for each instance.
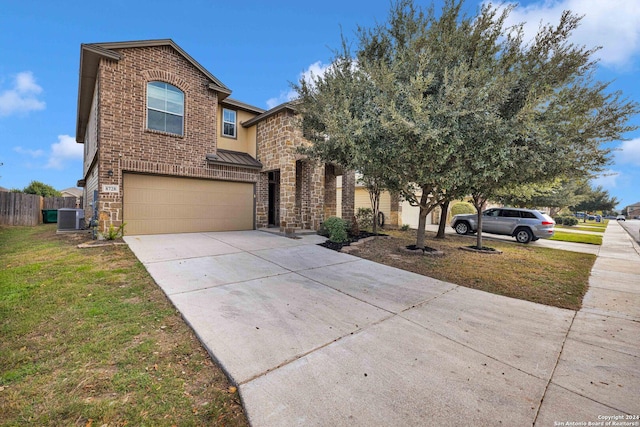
(165, 108)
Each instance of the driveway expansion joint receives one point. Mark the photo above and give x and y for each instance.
(550, 379)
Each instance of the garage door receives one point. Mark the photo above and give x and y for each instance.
(160, 205)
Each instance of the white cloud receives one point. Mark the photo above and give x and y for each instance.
(630, 152)
(314, 70)
(28, 152)
(607, 179)
(65, 149)
(612, 24)
(22, 97)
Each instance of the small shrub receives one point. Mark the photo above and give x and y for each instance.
(337, 229)
(322, 230)
(112, 233)
(461, 208)
(364, 217)
(570, 220)
(559, 220)
(404, 227)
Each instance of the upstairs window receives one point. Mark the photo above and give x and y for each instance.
(228, 123)
(165, 108)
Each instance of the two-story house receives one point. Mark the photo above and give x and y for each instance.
(166, 150)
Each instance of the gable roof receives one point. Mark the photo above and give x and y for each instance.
(77, 192)
(275, 110)
(90, 55)
(234, 103)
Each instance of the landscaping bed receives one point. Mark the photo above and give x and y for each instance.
(542, 275)
(337, 246)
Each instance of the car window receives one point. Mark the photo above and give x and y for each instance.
(525, 214)
(491, 212)
(509, 213)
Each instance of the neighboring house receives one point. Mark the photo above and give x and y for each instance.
(3, 190)
(633, 211)
(166, 150)
(73, 192)
(395, 211)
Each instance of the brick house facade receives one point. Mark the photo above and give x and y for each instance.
(211, 177)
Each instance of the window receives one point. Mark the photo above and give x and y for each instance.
(228, 123)
(509, 213)
(165, 108)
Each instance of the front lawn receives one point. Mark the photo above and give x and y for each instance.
(564, 236)
(547, 276)
(89, 339)
(581, 228)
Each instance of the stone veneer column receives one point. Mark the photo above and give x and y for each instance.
(288, 220)
(262, 200)
(316, 194)
(348, 194)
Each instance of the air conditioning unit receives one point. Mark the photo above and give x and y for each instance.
(70, 219)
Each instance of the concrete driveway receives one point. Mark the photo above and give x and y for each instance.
(316, 337)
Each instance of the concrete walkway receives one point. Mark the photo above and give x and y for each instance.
(316, 337)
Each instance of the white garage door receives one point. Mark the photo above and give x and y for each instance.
(160, 205)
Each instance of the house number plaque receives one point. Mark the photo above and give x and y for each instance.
(110, 188)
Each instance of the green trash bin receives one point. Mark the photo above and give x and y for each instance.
(50, 216)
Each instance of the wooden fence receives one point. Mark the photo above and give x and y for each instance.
(26, 209)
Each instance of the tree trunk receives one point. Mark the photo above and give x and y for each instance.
(479, 203)
(479, 233)
(422, 220)
(374, 197)
(443, 219)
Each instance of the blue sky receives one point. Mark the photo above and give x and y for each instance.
(255, 47)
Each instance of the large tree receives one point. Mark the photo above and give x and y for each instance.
(41, 189)
(453, 105)
(338, 118)
(596, 199)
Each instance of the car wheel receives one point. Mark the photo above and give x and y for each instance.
(462, 227)
(523, 235)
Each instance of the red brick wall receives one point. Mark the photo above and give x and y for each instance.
(124, 142)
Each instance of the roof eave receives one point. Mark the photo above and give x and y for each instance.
(275, 110)
(90, 56)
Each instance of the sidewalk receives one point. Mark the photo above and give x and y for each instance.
(598, 372)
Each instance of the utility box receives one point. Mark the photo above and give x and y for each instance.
(70, 219)
(49, 216)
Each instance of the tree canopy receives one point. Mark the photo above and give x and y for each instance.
(41, 189)
(446, 105)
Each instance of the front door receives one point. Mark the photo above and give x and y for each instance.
(274, 199)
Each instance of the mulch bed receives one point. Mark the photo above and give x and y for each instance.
(483, 250)
(338, 246)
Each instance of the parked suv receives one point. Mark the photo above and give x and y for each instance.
(525, 225)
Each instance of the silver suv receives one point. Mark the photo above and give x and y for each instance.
(525, 225)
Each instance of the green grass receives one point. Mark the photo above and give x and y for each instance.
(542, 275)
(89, 339)
(564, 236)
(581, 228)
(592, 224)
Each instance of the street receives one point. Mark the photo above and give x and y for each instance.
(632, 226)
